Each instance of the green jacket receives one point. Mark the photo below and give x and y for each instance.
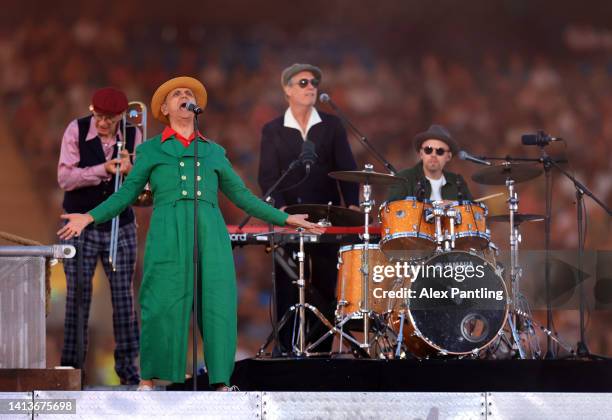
(166, 292)
(450, 190)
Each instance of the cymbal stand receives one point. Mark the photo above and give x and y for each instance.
(364, 312)
(515, 270)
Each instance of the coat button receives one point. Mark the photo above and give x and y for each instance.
(198, 163)
(182, 163)
(184, 192)
(183, 177)
(199, 193)
(199, 178)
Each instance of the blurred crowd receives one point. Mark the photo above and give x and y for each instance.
(48, 71)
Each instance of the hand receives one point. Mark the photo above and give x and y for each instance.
(299, 220)
(76, 223)
(111, 166)
(354, 207)
(126, 163)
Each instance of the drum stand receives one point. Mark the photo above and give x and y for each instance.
(299, 309)
(515, 270)
(364, 312)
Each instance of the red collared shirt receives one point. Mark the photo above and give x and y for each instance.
(169, 132)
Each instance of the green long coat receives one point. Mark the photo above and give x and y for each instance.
(166, 293)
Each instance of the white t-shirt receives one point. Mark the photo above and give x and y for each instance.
(436, 188)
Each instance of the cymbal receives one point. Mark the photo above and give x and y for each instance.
(518, 218)
(366, 177)
(337, 216)
(497, 175)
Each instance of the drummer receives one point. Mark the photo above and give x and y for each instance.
(428, 179)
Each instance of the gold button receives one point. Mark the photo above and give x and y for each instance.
(184, 192)
(182, 163)
(199, 193)
(199, 178)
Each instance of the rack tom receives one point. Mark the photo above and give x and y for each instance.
(470, 225)
(404, 227)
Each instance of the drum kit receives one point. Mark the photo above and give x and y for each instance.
(432, 285)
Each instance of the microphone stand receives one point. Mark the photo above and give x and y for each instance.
(196, 262)
(581, 189)
(363, 139)
(276, 350)
(582, 349)
(547, 161)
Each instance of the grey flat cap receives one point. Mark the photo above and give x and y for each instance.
(296, 68)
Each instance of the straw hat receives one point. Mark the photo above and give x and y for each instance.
(178, 82)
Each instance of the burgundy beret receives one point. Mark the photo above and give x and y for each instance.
(109, 101)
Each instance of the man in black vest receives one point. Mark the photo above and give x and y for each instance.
(282, 140)
(428, 179)
(86, 172)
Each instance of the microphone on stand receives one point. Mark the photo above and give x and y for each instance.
(538, 139)
(463, 155)
(192, 107)
(308, 157)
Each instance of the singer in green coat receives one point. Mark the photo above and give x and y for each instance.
(166, 162)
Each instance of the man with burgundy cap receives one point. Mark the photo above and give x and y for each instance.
(167, 162)
(86, 172)
(428, 179)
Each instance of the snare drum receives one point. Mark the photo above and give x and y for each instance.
(470, 225)
(403, 227)
(350, 281)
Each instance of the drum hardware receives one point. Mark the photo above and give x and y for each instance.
(547, 332)
(362, 311)
(299, 310)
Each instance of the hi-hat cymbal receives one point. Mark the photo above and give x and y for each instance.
(337, 216)
(498, 174)
(518, 218)
(366, 177)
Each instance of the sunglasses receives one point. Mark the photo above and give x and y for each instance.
(304, 82)
(439, 150)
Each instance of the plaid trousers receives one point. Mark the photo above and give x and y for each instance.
(125, 325)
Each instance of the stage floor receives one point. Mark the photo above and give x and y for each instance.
(342, 375)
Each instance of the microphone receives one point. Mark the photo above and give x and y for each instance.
(308, 156)
(192, 107)
(463, 155)
(324, 98)
(538, 139)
